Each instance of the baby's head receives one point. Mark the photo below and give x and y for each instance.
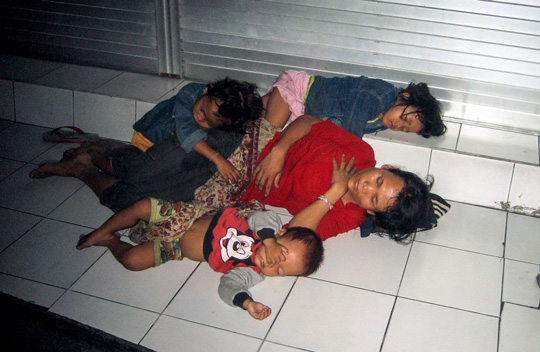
(416, 110)
(304, 255)
(227, 104)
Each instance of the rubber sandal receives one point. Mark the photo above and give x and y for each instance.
(68, 134)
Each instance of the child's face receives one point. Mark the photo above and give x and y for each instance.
(375, 189)
(293, 265)
(205, 112)
(401, 118)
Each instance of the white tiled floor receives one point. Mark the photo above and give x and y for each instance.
(442, 292)
(468, 285)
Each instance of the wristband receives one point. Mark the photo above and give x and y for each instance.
(323, 198)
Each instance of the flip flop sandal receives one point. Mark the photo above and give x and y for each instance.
(68, 134)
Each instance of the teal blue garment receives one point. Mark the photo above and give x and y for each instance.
(174, 115)
(351, 102)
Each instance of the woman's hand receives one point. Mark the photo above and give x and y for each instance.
(342, 173)
(226, 169)
(269, 170)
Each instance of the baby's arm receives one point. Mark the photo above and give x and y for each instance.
(225, 168)
(233, 290)
(266, 224)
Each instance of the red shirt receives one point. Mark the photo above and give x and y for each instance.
(307, 174)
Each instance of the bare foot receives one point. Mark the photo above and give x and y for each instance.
(97, 146)
(72, 167)
(96, 238)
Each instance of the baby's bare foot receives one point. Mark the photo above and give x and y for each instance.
(96, 238)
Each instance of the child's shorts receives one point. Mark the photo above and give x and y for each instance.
(293, 87)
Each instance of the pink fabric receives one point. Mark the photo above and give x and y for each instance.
(292, 86)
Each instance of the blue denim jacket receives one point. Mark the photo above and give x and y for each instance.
(350, 102)
(174, 115)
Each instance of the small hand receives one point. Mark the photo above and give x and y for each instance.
(342, 173)
(268, 172)
(257, 310)
(226, 169)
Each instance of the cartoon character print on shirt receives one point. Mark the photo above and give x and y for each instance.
(237, 246)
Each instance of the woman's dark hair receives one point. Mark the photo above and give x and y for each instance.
(411, 208)
(314, 246)
(427, 107)
(240, 102)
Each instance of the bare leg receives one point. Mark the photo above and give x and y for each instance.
(124, 219)
(277, 110)
(80, 167)
(135, 258)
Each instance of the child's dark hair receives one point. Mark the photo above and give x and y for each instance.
(428, 108)
(314, 246)
(410, 210)
(241, 102)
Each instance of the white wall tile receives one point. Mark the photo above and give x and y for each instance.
(519, 284)
(373, 263)
(75, 77)
(407, 157)
(423, 327)
(119, 320)
(25, 69)
(198, 301)
(320, 316)
(143, 108)
(446, 141)
(523, 238)
(453, 278)
(107, 116)
(43, 106)
(470, 179)
(147, 289)
(30, 291)
(171, 335)
(499, 144)
(519, 329)
(138, 86)
(7, 100)
(470, 228)
(525, 190)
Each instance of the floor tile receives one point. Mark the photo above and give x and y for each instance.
(446, 141)
(316, 310)
(453, 278)
(150, 289)
(368, 260)
(138, 86)
(47, 254)
(54, 153)
(75, 77)
(519, 285)
(107, 116)
(25, 69)
(523, 238)
(525, 190)
(519, 329)
(36, 196)
(50, 107)
(7, 100)
(407, 157)
(30, 291)
(274, 347)
(82, 208)
(14, 224)
(5, 124)
(22, 142)
(470, 179)
(422, 327)
(499, 144)
(7, 167)
(198, 301)
(119, 320)
(471, 228)
(142, 108)
(170, 334)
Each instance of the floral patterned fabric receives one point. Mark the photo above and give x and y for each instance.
(217, 193)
